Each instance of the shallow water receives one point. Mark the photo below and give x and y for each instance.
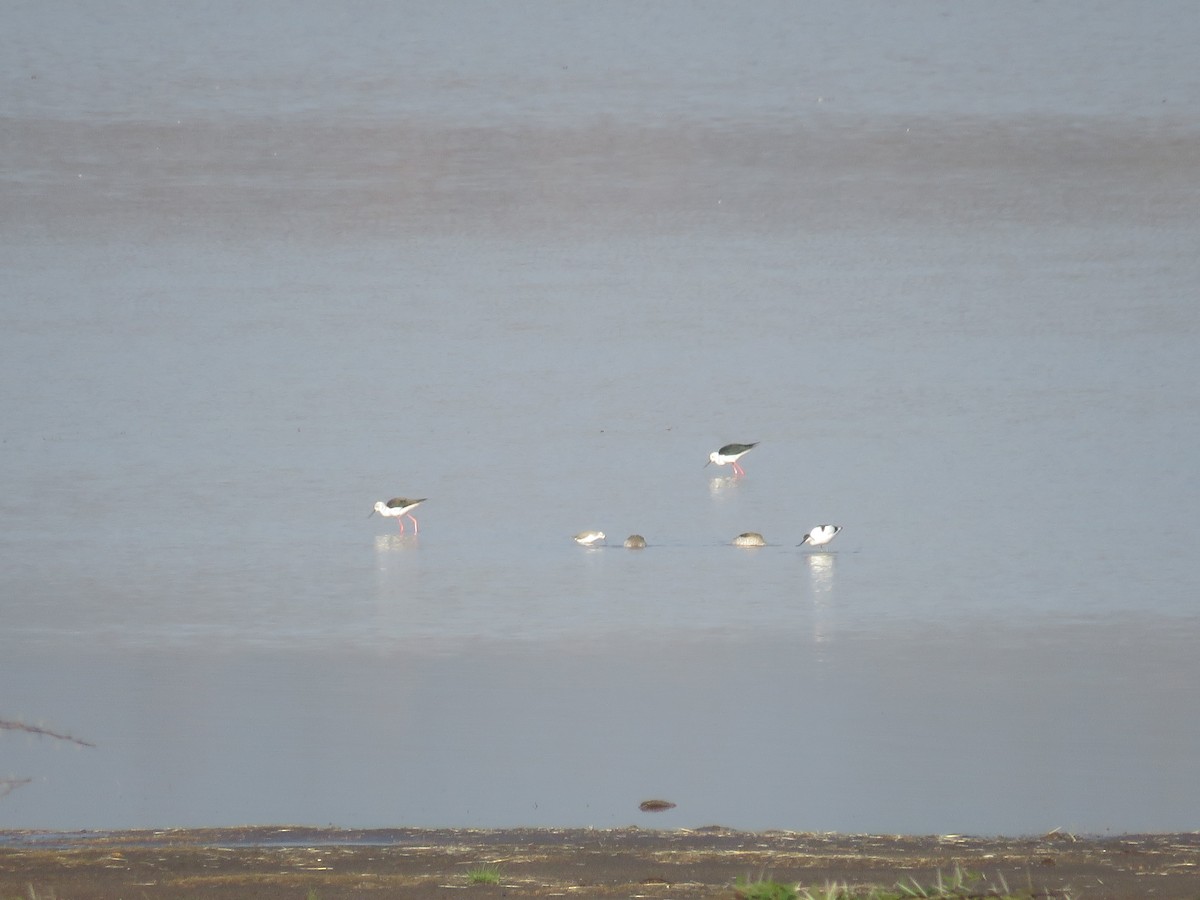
(962, 330)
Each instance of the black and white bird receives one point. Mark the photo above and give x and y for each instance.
(820, 535)
(731, 453)
(398, 507)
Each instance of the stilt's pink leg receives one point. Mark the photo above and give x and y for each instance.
(400, 522)
(416, 529)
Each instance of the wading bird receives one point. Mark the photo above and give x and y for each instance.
(731, 453)
(397, 507)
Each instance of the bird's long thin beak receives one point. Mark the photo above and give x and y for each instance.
(371, 513)
(707, 464)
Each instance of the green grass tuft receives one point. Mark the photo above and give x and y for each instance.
(833, 891)
(764, 889)
(488, 874)
(959, 885)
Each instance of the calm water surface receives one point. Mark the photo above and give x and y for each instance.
(246, 295)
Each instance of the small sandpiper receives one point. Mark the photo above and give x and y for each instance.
(820, 535)
(588, 538)
(398, 507)
(749, 539)
(731, 453)
(635, 542)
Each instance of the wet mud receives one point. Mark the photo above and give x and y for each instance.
(409, 863)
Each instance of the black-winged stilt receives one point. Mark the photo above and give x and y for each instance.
(731, 453)
(397, 507)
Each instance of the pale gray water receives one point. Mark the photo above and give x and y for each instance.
(536, 270)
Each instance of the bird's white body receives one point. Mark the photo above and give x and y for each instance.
(820, 535)
(587, 538)
(397, 507)
(730, 454)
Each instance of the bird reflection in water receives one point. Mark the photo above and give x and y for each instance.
(820, 576)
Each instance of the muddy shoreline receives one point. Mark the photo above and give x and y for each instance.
(276, 862)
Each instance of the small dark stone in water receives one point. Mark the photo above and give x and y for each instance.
(655, 805)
